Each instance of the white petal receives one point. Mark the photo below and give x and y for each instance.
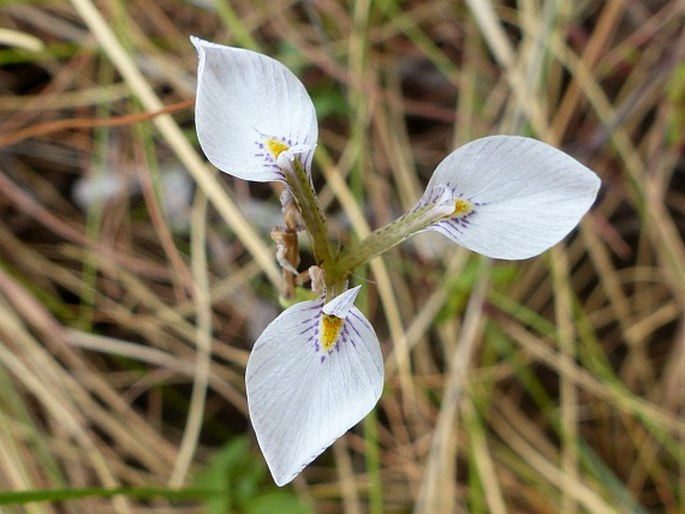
(244, 100)
(301, 397)
(341, 304)
(525, 195)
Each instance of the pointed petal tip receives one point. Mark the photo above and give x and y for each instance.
(341, 304)
(282, 481)
(353, 291)
(201, 45)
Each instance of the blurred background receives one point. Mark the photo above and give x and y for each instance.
(134, 278)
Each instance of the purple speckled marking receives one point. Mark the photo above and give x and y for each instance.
(348, 332)
(265, 155)
(456, 225)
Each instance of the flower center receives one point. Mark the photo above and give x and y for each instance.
(329, 330)
(461, 208)
(275, 147)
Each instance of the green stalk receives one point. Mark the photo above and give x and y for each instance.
(62, 495)
(392, 234)
(373, 463)
(94, 213)
(312, 213)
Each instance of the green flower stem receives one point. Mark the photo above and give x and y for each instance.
(142, 493)
(338, 268)
(384, 238)
(312, 213)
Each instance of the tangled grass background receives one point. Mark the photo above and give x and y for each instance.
(134, 278)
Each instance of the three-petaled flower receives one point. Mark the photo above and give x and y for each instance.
(317, 369)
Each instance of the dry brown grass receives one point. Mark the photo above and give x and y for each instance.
(551, 385)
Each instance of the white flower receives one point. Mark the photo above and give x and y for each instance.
(249, 110)
(315, 371)
(513, 197)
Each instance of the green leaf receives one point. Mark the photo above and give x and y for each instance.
(56, 495)
(283, 502)
(241, 484)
